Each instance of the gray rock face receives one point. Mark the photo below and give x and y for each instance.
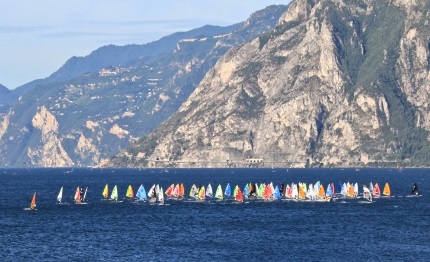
(336, 83)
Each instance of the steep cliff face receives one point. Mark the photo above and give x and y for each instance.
(88, 118)
(337, 82)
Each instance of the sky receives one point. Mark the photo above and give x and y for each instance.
(37, 37)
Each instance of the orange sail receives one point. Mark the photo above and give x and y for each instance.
(175, 192)
(351, 192)
(302, 194)
(239, 195)
(130, 192)
(321, 192)
(33, 202)
(387, 191)
(267, 192)
(181, 190)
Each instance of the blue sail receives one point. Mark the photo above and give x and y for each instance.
(329, 191)
(246, 190)
(277, 194)
(141, 193)
(339, 187)
(227, 190)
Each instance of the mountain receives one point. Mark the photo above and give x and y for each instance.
(85, 118)
(336, 83)
(112, 55)
(7, 97)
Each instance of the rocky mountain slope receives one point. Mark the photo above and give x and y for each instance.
(75, 118)
(336, 83)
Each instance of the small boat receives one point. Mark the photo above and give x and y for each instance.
(277, 193)
(80, 195)
(175, 192)
(130, 192)
(106, 192)
(194, 192)
(367, 194)
(181, 191)
(32, 203)
(141, 194)
(387, 191)
(415, 191)
(60, 195)
(152, 194)
(218, 193)
(114, 194)
(351, 192)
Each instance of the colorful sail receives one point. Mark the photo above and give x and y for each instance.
(130, 192)
(376, 190)
(60, 195)
(33, 202)
(261, 189)
(329, 190)
(351, 192)
(288, 191)
(218, 193)
(321, 192)
(387, 191)
(202, 193)
(194, 192)
(239, 195)
(175, 192)
(302, 194)
(246, 190)
(106, 192)
(235, 190)
(141, 193)
(181, 191)
(77, 197)
(227, 192)
(114, 194)
(169, 191)
(277, 193)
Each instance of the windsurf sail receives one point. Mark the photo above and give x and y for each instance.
(106, 192)
(227, 192)
(141, 193)
(387, 191)
(218, 193)
(415, 190)
(85, 194)
(114, 194)
(33, 202)
(130, 192)
(60, 195)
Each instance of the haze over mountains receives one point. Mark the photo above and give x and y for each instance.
(95, 106)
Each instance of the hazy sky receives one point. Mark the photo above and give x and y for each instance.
(37, 37)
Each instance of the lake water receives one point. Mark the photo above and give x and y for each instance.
(395, 229)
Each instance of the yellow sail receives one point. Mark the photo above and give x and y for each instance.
(130, 192)
(387, 191)
(106, 191)
(351, 192)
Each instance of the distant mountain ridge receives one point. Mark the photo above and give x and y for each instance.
(94, 107)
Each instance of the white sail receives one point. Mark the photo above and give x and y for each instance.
(356, 189)
(344, 190)
(209, 192)
(85, 194)
(295, 191)
(160, 196)
(218, 193)
(60, 195)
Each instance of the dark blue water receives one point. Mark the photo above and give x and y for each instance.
(396, 228)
